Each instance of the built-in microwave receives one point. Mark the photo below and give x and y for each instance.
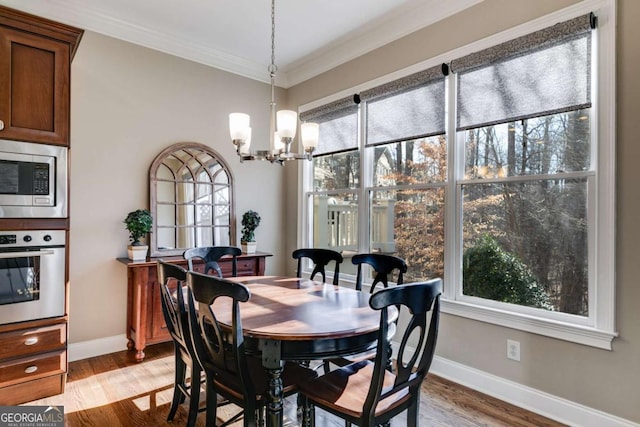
(33, 180)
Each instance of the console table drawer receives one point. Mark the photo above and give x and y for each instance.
(32, 341)
(248, 267)
(28, 368)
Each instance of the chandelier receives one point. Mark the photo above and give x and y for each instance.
(282, 126)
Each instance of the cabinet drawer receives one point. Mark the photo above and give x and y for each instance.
(30, 368)
(247, 267)
(31, 341)
(32, 390)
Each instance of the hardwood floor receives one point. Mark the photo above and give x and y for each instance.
(114, 390)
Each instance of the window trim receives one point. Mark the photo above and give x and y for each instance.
(599, 331)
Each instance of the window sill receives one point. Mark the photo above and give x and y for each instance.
(564, 331)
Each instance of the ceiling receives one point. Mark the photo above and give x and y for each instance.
(312, 36)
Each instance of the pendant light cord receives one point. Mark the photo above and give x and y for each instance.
(272, 74)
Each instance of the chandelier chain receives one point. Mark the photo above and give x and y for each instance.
(273, 68)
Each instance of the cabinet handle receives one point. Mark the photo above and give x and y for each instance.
(30, 369)
(31, 341)
(1, 125)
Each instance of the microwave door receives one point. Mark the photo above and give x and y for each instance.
(27, 183)
(33, 180)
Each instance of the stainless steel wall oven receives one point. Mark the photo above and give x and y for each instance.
(32, 275)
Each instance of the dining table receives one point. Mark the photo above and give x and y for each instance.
(297, 319)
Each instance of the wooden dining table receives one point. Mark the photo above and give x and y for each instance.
(293, 319)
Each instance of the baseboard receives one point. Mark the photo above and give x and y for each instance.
(98, 347)
(542, 403)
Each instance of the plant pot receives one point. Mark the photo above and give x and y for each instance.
(137, 253)
(249, 247)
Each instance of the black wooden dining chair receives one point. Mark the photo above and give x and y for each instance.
(365, 393)
(171, 278)
(210, 255)
(221, 352)
(383, 265)
(320, 258)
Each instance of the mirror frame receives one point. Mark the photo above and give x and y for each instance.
(153, 200)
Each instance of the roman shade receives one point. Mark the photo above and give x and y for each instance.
(338, 122)
(408, 108)
(545, 72)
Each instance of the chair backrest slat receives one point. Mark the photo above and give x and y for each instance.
(383, 265)
(210, 255)
(174, 308)
(320, 258)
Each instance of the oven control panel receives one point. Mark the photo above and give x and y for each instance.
(22, 238)
(7, 239)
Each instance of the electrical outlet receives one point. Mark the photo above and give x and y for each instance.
(513, 350)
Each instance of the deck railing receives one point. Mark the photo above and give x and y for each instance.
(336, 225)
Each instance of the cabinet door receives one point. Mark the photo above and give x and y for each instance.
(157, 328)
(34, 88)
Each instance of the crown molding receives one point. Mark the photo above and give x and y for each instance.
(378, 33)
(76, 13)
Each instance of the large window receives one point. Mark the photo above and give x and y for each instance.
(492, 171)
(403, 161)
(524, 123)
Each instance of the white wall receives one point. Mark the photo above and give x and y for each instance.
(128, 103)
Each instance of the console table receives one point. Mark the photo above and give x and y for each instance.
(145, 321)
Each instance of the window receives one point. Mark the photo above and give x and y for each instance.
(405, 152)
(523, 118)
(336, 177)
(496, 176)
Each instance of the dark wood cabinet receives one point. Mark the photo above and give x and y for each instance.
(145, 322)
(35, 71)
(33, 360)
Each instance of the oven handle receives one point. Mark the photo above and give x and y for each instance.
(5, 255)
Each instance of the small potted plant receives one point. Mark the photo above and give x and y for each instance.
(250, 221)
(138, 223)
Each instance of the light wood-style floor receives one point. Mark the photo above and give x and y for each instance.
(113, 390)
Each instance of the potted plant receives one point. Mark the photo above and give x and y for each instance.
(250, 221)
(138, 223)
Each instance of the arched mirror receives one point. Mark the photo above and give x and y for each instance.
(191, 200)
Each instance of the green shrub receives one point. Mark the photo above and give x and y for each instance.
(492, 273)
